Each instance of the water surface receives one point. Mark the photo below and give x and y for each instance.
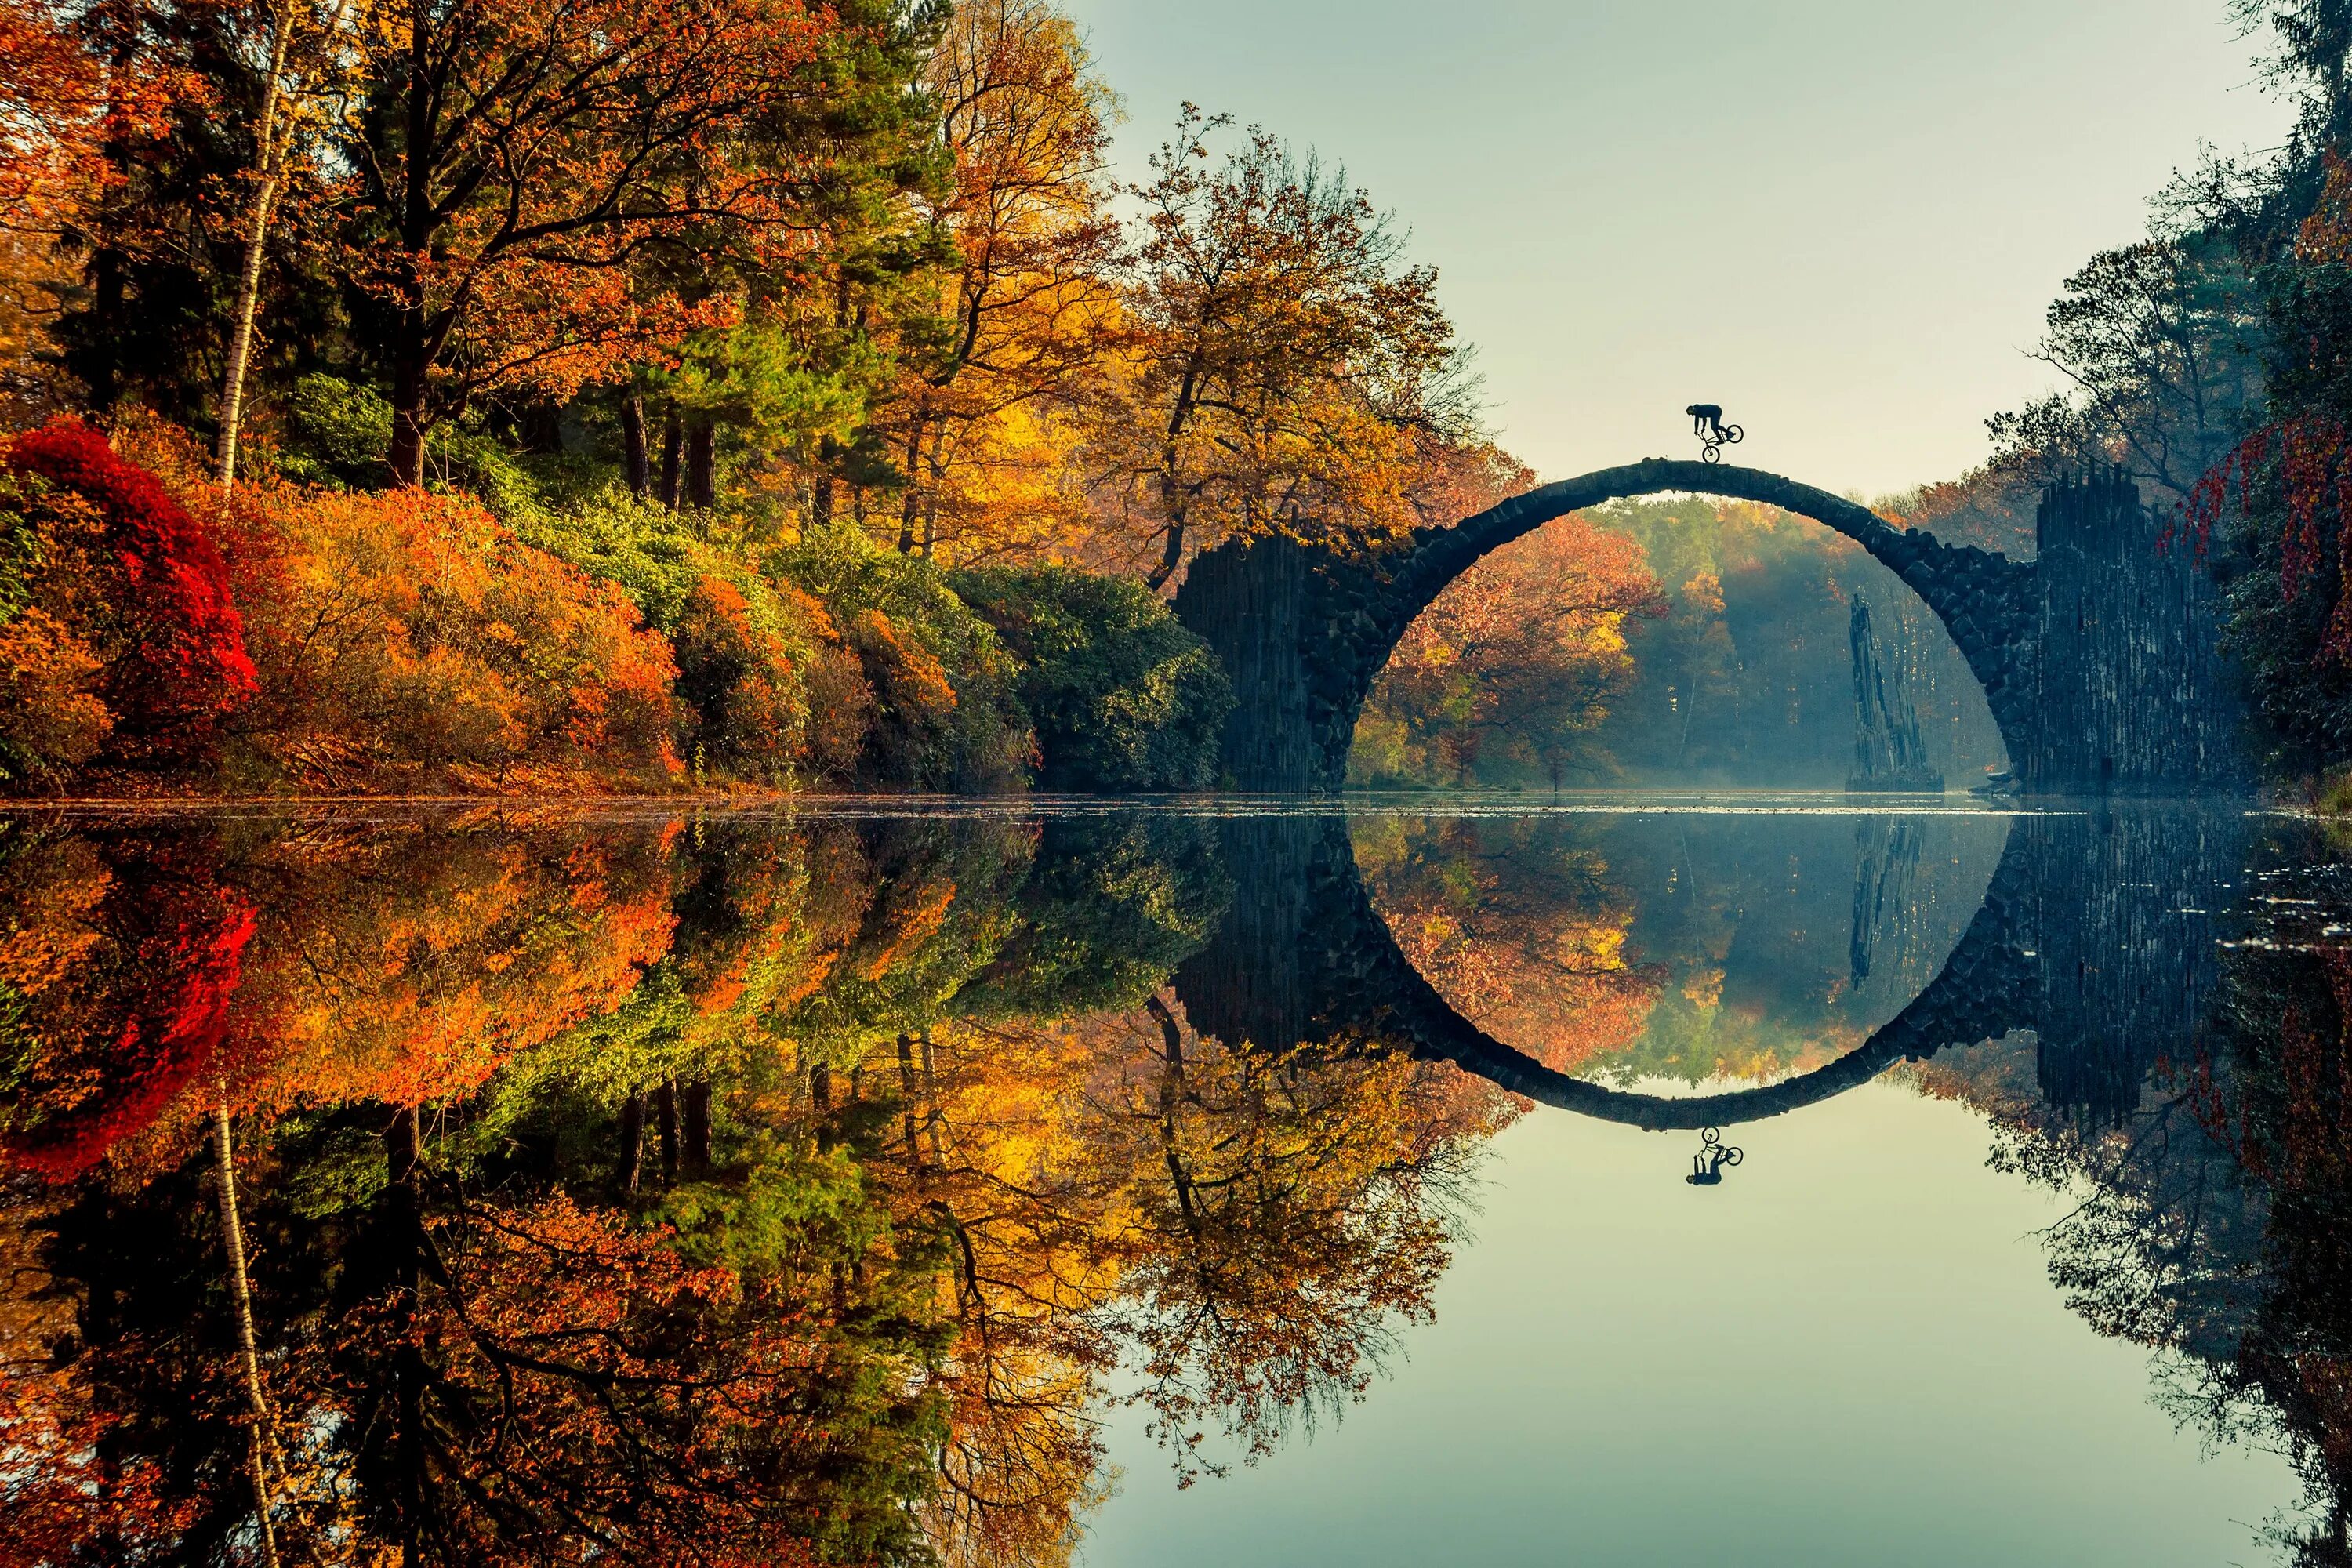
(1245, 1182)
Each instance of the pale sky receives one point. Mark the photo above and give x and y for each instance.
(1841, 220)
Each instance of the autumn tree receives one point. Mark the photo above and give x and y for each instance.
(1520, 931)
(299, 56)
(736, 1197)
(128, 953)
(803, 308)
(1016, 321)
(53, 100)
(2162, 344)
(1298, 1210)
(54, 94)
(543, 1379)
(513, 158)
(1285, 356)
(2272, 506)
(147, 210)
(114, 579)
(134, 217)
(1523, 653)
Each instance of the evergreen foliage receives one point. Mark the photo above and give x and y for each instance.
(1124, 698)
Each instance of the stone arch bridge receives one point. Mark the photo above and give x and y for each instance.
(2095, 657)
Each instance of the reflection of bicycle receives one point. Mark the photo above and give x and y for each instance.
(1707, 1165)
(1717, 440)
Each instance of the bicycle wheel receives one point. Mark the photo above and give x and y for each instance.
(1731, 1155)
(1710, 1134)
(1710, 453)
(1733, 434)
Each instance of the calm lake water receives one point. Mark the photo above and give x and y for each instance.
(1768, 1181)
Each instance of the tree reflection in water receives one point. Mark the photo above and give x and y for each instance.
(663, 1191)
(2211, 1218)
(727, 1190)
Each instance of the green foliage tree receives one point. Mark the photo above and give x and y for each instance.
(1122, 696)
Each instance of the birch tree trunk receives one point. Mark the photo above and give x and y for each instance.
(270, 160)
(634, 453)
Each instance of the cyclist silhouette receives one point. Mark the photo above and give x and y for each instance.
(1707, 424)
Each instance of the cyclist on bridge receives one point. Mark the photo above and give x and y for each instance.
(1707, 424)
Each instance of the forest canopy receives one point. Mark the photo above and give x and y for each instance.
(695, 347)
(711, 346)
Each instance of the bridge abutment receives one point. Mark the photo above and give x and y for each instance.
(2131, 694)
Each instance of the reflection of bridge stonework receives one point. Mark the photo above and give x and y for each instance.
(2094, 657)
(2096, 929)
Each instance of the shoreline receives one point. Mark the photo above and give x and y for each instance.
(1826, 800)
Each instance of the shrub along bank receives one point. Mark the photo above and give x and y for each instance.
(156, 637)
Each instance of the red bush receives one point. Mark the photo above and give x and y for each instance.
(144, 585)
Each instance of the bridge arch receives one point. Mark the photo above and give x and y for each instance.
(1305, 632)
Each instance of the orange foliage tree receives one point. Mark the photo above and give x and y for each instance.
(1526, 652)
(139, 986)
(1286, 362)
(517, 157)
(765, 704)
(1537, 959)
(891, 1264)
(408, 640)
(538, 1379)
(406, 972)
(55, 95)
(1018, 322)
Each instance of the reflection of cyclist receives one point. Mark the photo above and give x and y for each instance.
(1707, 1165)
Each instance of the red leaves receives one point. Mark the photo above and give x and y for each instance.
(144, 584)
(2316, 478)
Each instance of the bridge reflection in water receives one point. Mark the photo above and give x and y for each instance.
(2097, 932)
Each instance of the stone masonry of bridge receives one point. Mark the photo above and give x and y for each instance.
(2076, 651)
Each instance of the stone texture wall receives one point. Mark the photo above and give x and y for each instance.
(2127, 905)
(1266, 603)
(1303, 960)
(2132, 696)
(2097, 659)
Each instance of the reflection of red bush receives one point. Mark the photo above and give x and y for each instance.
(154, 598)
(140, 1017)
